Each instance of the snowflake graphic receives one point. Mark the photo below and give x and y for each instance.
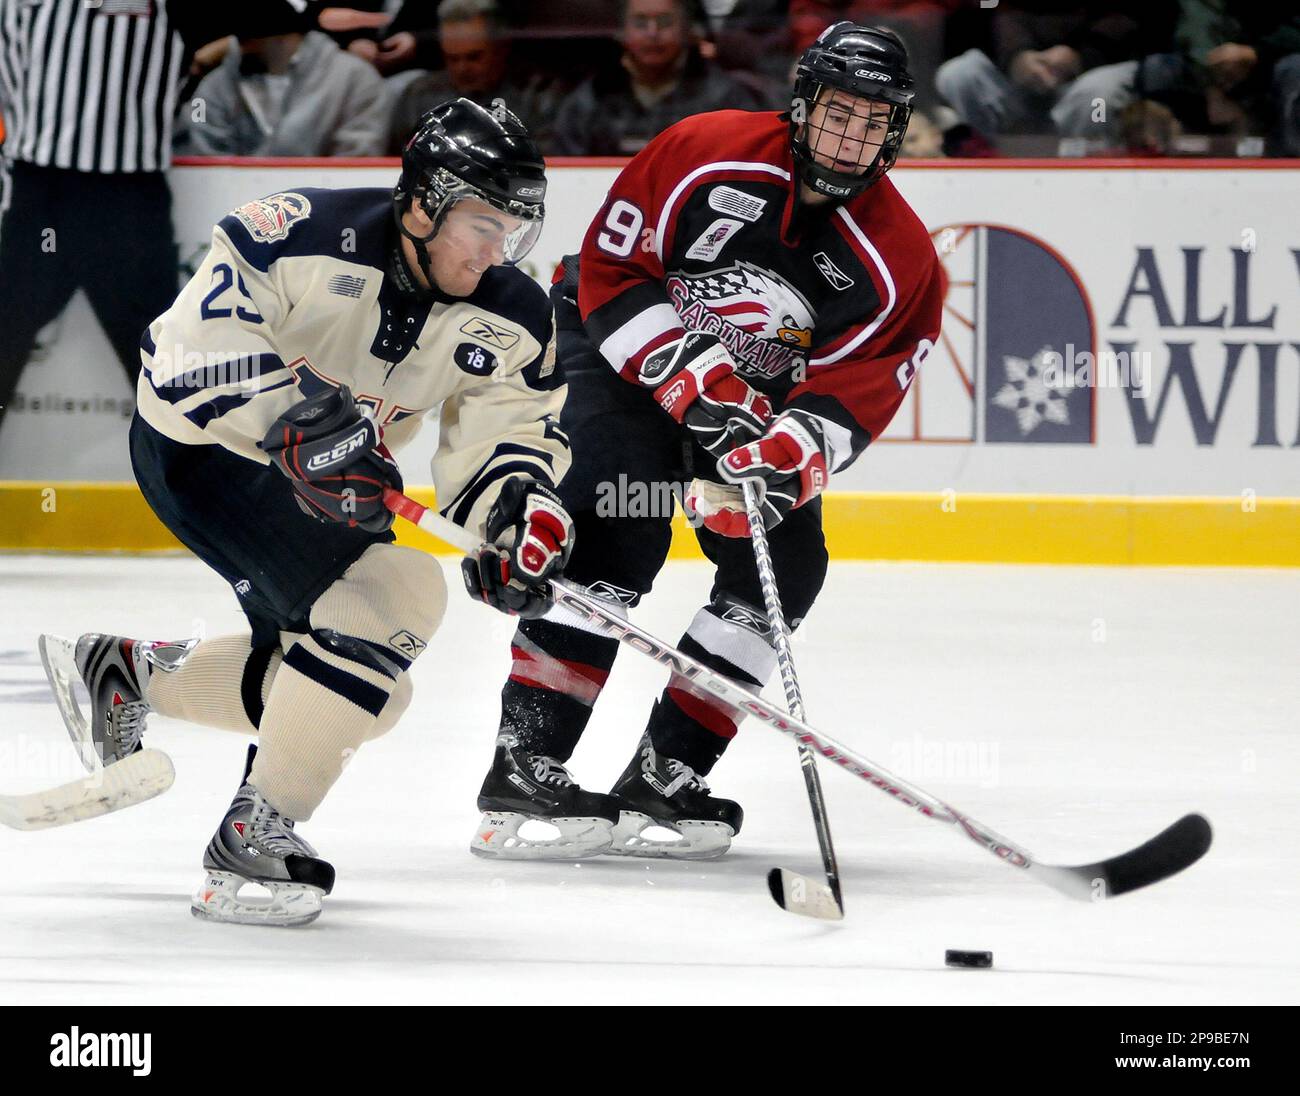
(1028, 394)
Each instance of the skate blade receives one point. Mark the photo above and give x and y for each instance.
(289, 904)
(699, 840)
(58, 656)
(498, 838)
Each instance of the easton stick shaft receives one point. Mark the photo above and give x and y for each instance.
(1170, 851)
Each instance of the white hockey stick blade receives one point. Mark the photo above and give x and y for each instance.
(796, 893)
(132, 780)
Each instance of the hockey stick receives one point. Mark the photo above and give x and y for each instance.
(134, 779)
(794, 892)
(1170, 851)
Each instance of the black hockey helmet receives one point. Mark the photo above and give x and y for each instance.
(462, 150)
(869, 63)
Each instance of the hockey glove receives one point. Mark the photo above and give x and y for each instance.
(332, 455)
(694, 380)
(788, 464)
(531, 536)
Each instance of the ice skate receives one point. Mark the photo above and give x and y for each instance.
(256, 845)
(660, 792)
(523, 787)
(115, 672)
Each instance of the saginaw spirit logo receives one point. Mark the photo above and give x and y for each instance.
(764, 322)
(270, 218)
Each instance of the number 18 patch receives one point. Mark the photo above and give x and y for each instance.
(474, 359)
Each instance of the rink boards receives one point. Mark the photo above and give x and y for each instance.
(1118, 379)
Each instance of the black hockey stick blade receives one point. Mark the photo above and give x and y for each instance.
(1166, 854)
(796, 893)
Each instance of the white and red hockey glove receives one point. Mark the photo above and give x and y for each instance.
(789, 466)
(694, 380)
(531, 536)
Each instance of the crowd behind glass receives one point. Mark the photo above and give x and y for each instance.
(602, 77)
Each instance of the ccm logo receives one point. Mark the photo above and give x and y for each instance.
(669, 398)
(867, 74)
(341, 450)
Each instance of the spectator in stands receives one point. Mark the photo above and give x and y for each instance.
(1233, 72)
(1057, 65)
(477, 54)
(661, 79)
(393, 37)
(294, 94)
(919, 23)
(752, 36)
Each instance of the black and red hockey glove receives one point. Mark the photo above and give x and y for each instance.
(789, 465)
(531, 536)
(332, 454)
(694, 380)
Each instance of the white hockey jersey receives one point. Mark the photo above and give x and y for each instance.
(303, 290)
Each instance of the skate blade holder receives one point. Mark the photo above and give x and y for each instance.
(509, 835)
(638, 835)
(232, 899)
(58, 656)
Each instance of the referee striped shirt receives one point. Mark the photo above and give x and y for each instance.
(89, 85)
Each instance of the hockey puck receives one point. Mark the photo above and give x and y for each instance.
(974, 959)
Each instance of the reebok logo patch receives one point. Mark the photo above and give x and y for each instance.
(492, 334)
(407, 643)
(735, 614)
(607, 591)
(832, 273)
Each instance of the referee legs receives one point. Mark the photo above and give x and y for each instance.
(128, 270)
(110, 235)
(36, 270)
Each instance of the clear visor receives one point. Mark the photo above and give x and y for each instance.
(519, 243)
(505, 238)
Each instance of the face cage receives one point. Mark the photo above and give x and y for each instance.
(443, 190)
(841, 183)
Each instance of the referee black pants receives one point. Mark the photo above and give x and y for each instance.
(109, 235)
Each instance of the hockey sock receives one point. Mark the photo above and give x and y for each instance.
(324, 702)
(222, 683)
(557, 673)
(330, 692)
(693, 726)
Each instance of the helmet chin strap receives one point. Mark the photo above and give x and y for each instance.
(420, 242)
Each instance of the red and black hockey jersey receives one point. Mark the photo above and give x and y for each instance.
(829, 310)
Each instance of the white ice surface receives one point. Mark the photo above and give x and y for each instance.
(1097, 705)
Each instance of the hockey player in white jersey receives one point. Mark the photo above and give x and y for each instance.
(321, 328)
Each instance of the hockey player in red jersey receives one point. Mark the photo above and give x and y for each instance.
(751, 303)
